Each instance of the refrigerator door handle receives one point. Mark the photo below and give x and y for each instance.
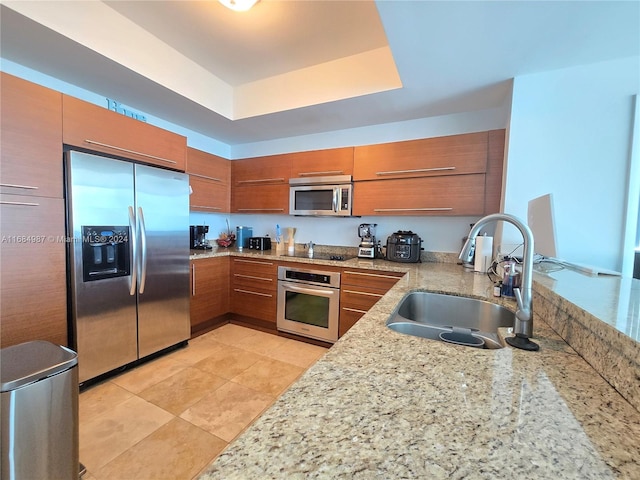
(143, 256)
(133, 252)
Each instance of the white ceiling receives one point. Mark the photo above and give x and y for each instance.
(289, 68)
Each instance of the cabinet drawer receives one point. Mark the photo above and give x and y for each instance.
(448, 195)
(253, 302)
(368, 278)
(359, 297)
(90, 126)
(451, 155)
(31, 125)
(263, 269)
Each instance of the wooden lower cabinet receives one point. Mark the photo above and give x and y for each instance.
(33, 276)
(254, 288)
(359, 291)
(209, 291)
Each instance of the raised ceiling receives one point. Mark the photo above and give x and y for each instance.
(290, 68)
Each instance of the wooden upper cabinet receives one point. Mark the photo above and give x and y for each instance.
(321, 163)
(209, 177)
(31, 150)
(269, 170)
(495, 167)
(261, 185)
(449, 195)
(452, 155)
(95, 128)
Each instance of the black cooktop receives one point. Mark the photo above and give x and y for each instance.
(325, 256)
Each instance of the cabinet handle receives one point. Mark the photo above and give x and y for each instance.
(262, 180)
(26, 187)
(425, 209)
(205, 177)
(363, 293)
(379, 275)
(252, 293)
(120, 149)
(354, 310)
(417, 170)
(328, 172)
(204, 206)
(261, 209)
(25, 204)
(193, 280)
(237, 260)
(253, 278)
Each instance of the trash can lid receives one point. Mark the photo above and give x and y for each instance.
(30, 362)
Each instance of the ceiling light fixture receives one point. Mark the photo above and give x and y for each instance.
(239, 5)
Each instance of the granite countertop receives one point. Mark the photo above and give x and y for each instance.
(380, 404)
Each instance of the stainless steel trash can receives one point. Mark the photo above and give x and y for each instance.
(39, 408)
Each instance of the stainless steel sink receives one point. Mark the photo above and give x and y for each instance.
(448, 318)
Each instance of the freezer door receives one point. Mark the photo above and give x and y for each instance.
(99, 193)
(162, 209)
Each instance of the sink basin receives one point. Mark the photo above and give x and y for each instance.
(448, 318)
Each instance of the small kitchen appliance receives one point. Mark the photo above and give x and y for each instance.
(404, 246)
(260, 243)
(198, 234)
(367, 247)
(243, 234)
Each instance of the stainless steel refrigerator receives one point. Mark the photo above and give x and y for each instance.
(128, 234)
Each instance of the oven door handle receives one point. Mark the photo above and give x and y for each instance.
(295, 288)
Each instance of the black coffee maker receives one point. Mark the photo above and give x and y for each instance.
(198, 233)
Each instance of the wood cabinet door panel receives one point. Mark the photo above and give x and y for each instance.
(31, 125)
(348, 318)
(448, 195)
(209, 166)
(493, 179)
(209, 289)
(260, 199)
(274, 169)
(208, 195)
(451, 155)
(317, 163)
(359, 297)
(95, 128)
(33, 276)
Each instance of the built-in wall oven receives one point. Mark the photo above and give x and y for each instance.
(309, 302)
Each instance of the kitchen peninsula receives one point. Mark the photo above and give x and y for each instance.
(381, 404)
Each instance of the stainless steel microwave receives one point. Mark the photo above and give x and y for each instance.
(321, 196)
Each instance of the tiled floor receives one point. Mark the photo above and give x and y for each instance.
(169, 418)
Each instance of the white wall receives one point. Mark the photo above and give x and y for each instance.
(570, 135)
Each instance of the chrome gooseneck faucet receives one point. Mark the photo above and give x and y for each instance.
(523, 324)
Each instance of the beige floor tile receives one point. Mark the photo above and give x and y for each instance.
(177, 450)
(180, 391)
(261, 343)
(297, 353)
(109, 434)
(228, 410)
(150, 373)
(229, 334)
(269, 376)
(228, 361)
(195, 351)
(100, 398)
